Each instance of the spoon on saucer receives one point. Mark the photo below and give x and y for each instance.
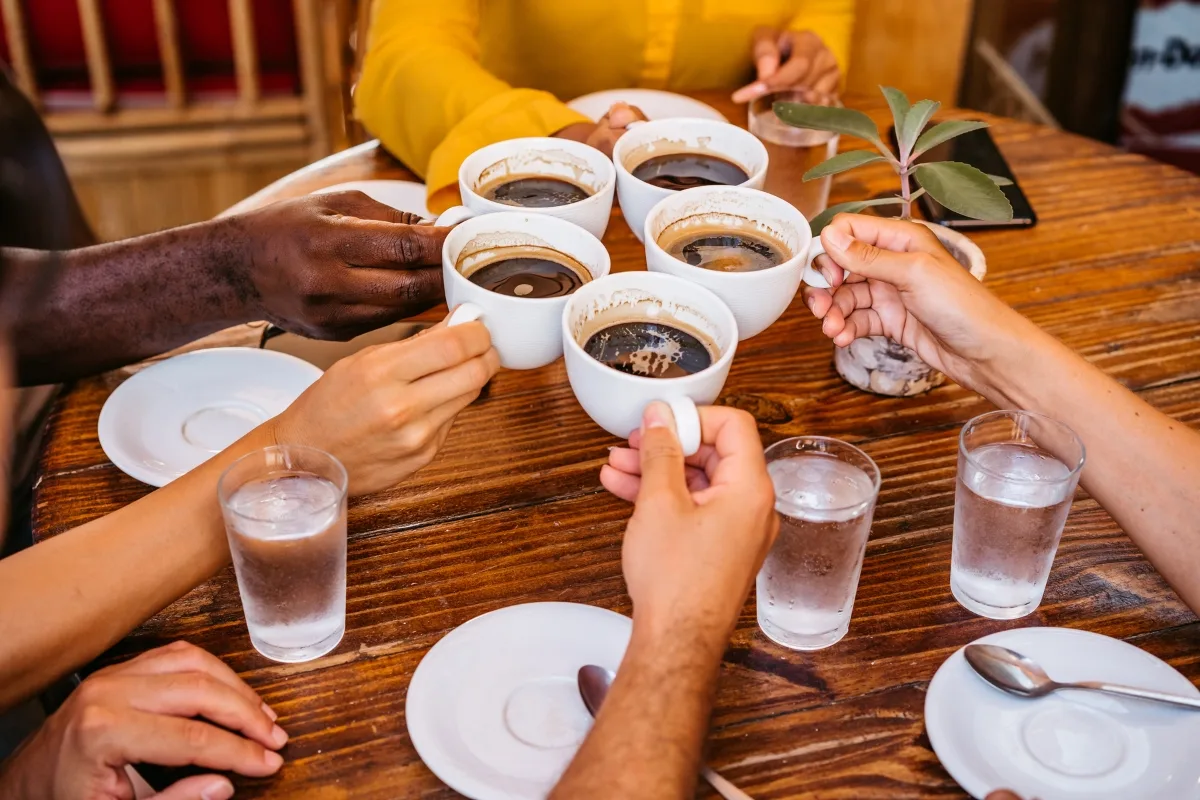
(1014, 673)
(594, 683)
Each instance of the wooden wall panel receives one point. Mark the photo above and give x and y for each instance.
(915, 45)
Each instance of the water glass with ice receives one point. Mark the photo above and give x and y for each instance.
(285, 515)
(1017, 473)
(825, 493)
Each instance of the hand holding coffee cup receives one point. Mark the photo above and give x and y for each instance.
(540, 175)
(812, 274)
(656, 159)
(747, 246)
(635, 337)
(515, 272)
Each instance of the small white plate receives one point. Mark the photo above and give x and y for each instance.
(654, 104)
(494, 709)
(400, 195)
(1069, 745)
(174, 415)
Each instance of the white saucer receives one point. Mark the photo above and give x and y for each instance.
(174, 415)
(400, 195)
(494, 709)
(1069, 745)
(654, 104)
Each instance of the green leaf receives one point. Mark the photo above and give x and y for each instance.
(944, 132)
(842, 162)
(1000, 180)
(853, 207)
(962, 188)
(914, 122)
(898, 102)
(829, 118)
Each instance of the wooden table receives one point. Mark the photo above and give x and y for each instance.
(512, 510)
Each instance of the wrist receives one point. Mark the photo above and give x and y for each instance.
(1014, 352)
(577, 132)
(703, 632)
(231, 249)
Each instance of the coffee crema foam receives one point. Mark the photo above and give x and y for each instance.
(686, 170)
(650, 349)
(723, 243)
(530, 270)
(534, 191)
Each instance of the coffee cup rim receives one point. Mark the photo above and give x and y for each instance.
(604, 168)
(798, 257)
(721, 362)
(673, 123)
(450, 265)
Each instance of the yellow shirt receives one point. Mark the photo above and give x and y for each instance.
(443, 78)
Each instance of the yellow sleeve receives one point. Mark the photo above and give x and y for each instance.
(424, 93)
(833, 21)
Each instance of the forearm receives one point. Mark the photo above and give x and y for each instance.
(648, 737)
(66, 600)
(117, 303)
(1142, 466)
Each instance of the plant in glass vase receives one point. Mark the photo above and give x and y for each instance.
(878, 364)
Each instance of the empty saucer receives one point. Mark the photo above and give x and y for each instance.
(174, 415)
(494, 709)
(401, 195)
(1070, 745)
(655, 104)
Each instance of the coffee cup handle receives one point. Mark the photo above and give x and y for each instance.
(467, 312)
(687, 424)
(812, 275)
(452, 216)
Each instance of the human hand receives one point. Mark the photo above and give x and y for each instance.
(790, 60)
(904, 285)
(603, 135)
(385, 411)
(173, 706)
(336, 265)
(701, 527)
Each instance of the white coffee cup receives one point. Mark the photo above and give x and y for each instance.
(680, 135)
(525, 330)
(554, 158)
(756, 298)
(615, 400)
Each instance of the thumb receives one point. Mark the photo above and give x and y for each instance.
(863, 258)
(197, 787)
(661, 456)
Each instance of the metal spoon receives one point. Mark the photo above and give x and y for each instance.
(594, 683)
(1016, 674)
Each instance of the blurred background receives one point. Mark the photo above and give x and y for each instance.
(169, 111)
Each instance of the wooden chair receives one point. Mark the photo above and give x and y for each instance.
(184, 151)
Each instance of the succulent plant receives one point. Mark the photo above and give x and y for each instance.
(957, 186)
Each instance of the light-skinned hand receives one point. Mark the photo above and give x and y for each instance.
(701, 527)
(386, 410)
(906, 286)
(790, 60)
(173, 706)
(603, 135)
(334, 266)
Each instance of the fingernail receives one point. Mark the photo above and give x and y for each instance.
(279, 736)
(270, 712)
(657, 415)
(808, 301)
(219, 789)
(837, 239)
(272, 759)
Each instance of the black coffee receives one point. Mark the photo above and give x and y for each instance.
(529, 275)
(535, 192)
(724, 250)
(687, 170)
(649, 349)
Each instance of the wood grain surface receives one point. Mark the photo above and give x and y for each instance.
(1113, 269)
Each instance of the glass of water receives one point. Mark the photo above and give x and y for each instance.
(825, 493)
(791, 151)
(1017, 473)
(285, 515)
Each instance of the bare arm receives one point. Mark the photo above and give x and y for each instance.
(1142, 466)
(66, 600)
(327, 267)
(699, 532)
